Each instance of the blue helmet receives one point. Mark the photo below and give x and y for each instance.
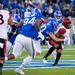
(57, 13)
(53, 23)
(36, 11)
(16, 18)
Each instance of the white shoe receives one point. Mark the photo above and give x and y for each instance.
(44, 61)
(19, 71)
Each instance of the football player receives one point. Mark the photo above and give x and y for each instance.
(4, 21)
(58, 19)
(16, 19)
(66, 24)
(28, 39)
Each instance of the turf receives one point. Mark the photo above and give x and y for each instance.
(67, 54)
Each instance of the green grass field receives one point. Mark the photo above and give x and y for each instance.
(67, 54)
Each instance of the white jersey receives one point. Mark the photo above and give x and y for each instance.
(4, 15)
(65, 34)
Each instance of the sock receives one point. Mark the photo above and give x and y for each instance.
(49, 52)
(6, 58)
(0, 71)
(57, 58)
(25, 62)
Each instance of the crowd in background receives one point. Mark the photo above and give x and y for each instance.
(67, 7)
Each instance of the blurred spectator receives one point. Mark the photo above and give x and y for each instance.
(22, 10)
(41, 1)
(35, 2)
(48, 6)
(45, 12)
(50, 11)
(27, 12)
(1, 2)
(73, 2)
(67, 1)
(14, 7)
(9, 5)
(45, 6)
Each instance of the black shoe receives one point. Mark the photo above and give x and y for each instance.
(55, 64)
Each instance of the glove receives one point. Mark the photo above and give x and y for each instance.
(41, 36)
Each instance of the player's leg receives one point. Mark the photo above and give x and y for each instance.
(54, 53)
(28, 45)
(2, 53)
(32, 46)
(17, 49)
(49, 46)
(54, 46)
(8, 48)
(50, 52)
(59, 51)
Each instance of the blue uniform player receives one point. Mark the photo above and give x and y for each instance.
(29, 38)
(58, 19)
(10, 42)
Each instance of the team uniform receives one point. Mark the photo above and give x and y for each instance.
(4, 20)
(61, 32)
(49, 27)
(28, 33)
(56, 13)
(29, 39)
(10, 42)
(4, 15)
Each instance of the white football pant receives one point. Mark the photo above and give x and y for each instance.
(30, 45)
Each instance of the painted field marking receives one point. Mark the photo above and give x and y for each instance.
(39, 64)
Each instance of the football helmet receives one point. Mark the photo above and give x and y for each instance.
(16, 18)
(58, 15)
(66, 22)
(36, 11)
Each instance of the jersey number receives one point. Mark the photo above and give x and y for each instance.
(43, 27)
(29, 21)
(1, 19)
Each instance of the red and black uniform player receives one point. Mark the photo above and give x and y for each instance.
(58, 45)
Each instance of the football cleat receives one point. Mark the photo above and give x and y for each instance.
(19, 71)
(44, 60)
(55, 64)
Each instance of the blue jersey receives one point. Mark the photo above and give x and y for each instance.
(16, 18)
(52, 22)
(28, 28)
(49, 27)
(46, 28)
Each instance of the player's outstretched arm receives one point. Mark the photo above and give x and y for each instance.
(19, 24)
(54, 37)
